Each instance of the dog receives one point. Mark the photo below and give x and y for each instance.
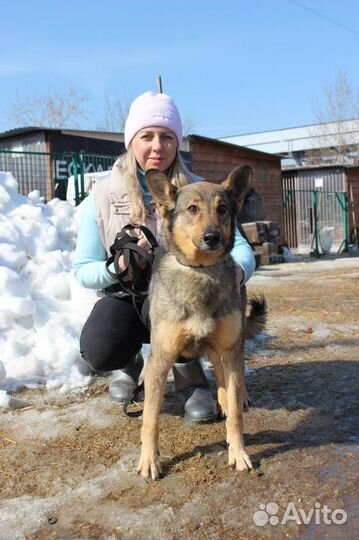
(195, 308)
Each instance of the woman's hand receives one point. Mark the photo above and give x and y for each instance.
(143, 242)
(146, 246)
(141, 261)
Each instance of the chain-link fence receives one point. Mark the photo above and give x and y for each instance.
(49, 172)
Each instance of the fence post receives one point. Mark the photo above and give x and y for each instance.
(76, 178)
(345, 207)
(346, 221)
(82, 176)
(315, 212)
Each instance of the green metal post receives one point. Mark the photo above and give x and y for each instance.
(315, 210)
(288, 198)
(343, 201)
(346, 223)
(76, 178)
(82, 177)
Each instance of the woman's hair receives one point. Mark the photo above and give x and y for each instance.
(178, 174)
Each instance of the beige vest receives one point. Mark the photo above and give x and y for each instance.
(113, 208)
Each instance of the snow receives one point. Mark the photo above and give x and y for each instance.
(89, 180)
(42, 310)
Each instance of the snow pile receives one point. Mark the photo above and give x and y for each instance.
(39, 324)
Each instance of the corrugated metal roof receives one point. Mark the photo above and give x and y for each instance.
(33, 129)
(20, 131)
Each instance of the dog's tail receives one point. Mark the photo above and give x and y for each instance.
(257, 317)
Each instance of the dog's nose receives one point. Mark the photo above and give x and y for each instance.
(212, 238)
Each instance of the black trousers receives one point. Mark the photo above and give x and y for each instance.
(112, 335)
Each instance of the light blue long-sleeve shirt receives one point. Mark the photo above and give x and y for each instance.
(90, 254)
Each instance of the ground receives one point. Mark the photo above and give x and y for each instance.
(67, 462)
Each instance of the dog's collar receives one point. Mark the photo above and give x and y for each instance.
(182, 263)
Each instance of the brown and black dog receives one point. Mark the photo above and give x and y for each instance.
(195, 306)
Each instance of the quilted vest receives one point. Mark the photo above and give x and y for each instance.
(113, 208)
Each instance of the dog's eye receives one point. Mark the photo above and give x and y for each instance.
(193, 209)
(222, 209)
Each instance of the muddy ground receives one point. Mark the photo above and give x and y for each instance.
(67, 462)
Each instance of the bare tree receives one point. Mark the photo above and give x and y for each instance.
(341, 101)
(188, 125)
(337, 112)
(57, 110)
(115, 114)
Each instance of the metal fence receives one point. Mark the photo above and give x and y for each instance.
(49, 172)
(316, 209)
(84, 164)
(316, 221)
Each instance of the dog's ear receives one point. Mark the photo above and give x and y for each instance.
(237, 184)
(162, 190)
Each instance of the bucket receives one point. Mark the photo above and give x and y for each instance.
(353, 250)
(326, 238)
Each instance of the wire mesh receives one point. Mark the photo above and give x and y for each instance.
(49, 172)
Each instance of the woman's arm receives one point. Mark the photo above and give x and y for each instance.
(90, 254)
(243, 256)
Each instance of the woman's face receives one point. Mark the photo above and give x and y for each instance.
(154, 148)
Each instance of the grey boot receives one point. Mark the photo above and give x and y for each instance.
(124, 381)
(85, 368)
(191, 384)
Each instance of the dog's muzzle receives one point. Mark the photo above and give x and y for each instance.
(212, 240)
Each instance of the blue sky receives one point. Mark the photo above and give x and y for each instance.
(234, 66)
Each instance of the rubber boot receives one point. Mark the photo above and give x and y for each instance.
(191, 384)
(85, 368)
(125, 380)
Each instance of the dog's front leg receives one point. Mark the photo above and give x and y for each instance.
(233, 365)
(216, 360)
(155, 383)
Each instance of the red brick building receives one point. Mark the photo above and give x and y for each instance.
(214, 159)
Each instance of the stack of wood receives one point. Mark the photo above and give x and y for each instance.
(264, 237)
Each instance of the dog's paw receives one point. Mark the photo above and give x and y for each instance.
(239, 460)
(149, 468)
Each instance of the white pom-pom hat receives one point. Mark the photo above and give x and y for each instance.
(152, 110)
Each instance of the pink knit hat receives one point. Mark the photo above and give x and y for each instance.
(152, 110)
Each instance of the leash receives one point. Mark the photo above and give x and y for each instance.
(132, 400)
(133, 283)
(134, 280)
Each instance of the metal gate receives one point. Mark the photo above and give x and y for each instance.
(316, 220)
(49, 172)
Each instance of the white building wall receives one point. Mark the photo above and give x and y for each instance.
(287, 141)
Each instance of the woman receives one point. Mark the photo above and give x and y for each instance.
(113, 335)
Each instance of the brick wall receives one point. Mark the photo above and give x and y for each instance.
(214, 159)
